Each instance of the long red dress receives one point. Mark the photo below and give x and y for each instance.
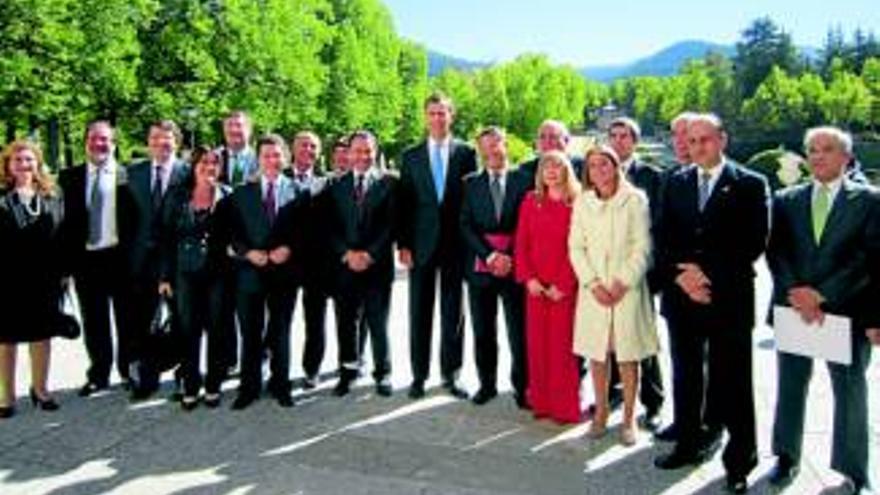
(541, 252)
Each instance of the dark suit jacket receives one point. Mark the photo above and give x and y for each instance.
(530, 168)
(74, 230)
(249, 229)
(143, 255)
(478, 217)
(424, 224)
(368, 227)
(650, 180)
(839, 266)
(724, 239)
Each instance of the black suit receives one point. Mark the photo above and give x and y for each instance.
(362, 226)
(143, 260)
(839, 268)
(270, 288)
(429, 229)
(477, 220)
(530, 168)
(724, 239)
(315, 287)
(100, 275)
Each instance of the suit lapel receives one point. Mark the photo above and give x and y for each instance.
(253, 207)
(838, 214)
(721, 190)
(424, 169)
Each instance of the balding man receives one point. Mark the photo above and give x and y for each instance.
(825, 234)
(552, 135)
(715, 226)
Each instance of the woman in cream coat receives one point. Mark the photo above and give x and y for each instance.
(609, 246)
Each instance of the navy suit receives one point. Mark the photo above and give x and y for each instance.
(429, 229)
(368, 226)
(839, 268)
(724, 239)
(477, 220)
(268, 289)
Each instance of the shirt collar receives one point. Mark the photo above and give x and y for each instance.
(627, 164)
(833, 187)
(443, 143)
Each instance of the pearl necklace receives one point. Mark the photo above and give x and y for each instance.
(26, 202)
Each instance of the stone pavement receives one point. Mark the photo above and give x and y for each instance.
(364, 444)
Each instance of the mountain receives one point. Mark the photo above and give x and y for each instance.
(438, 61)
(665, 62)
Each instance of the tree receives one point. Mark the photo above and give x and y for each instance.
(763, 45)
(848, 101)
(777, 104)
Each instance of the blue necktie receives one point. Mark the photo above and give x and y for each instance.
(438, 172)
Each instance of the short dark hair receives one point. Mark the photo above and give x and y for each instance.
(441, 98)
(168, 125)
(634, 130)
(98, 122)
(364, 134)
(273, 139)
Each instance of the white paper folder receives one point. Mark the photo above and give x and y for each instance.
(832, 340)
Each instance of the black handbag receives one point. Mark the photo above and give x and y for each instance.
(65, 322)
(163, 342)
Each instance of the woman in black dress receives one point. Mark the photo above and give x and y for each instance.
(30, 212)
(193, 257)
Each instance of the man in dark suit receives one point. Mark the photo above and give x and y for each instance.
(553, 135)
(623, 136)
(715, 226)
(267, 238)
(150, 182)
(489, 214)
(360, 223)
(310, 184)
(430, 243)
(238, 161)
(96, 198)
(238, 165)
(825, 234)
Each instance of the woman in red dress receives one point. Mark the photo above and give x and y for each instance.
(542, 265)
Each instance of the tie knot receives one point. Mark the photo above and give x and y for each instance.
(705, 176)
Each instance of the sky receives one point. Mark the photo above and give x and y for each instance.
(612, 31)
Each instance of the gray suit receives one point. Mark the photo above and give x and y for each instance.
(838, 267)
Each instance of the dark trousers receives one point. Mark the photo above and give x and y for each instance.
(227, 320)
(363, 294)
(483, 299)
(315, 310)
(727, 349)
(199, 298)
(99, 281)
(422, 290)
(849, 451)
(144, 296)
(711, 414)
(276, 298)
(650, 382)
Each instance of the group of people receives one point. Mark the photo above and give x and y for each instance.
(576, 249)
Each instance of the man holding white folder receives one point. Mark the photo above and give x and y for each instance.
(823, 235)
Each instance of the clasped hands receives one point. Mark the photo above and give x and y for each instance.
(537, 289)
(261, 258)
(499, 264)
(357, 261)
(694, 283)
(807, 302)
(609, 295)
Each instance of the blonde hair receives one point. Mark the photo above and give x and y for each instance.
(43, 183)
(599, 149)
(571, 186)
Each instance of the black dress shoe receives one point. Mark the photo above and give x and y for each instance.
(521, 401)
(342, 388)
(90, 388)
(212, 400)
(455, 390)
(141, 393)
(736, 483)
(44, 403)
(189, 402)
(383, 389)
(310, 382)
(284, 400)
(650, 421)
(484, 395)
(416, 390)
(678, 458)
(667, 434)
(784, 471)
(243, 400)
(7, 412)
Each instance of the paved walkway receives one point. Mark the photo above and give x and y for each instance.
(364, 444)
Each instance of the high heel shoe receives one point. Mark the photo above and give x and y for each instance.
(47, 404)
